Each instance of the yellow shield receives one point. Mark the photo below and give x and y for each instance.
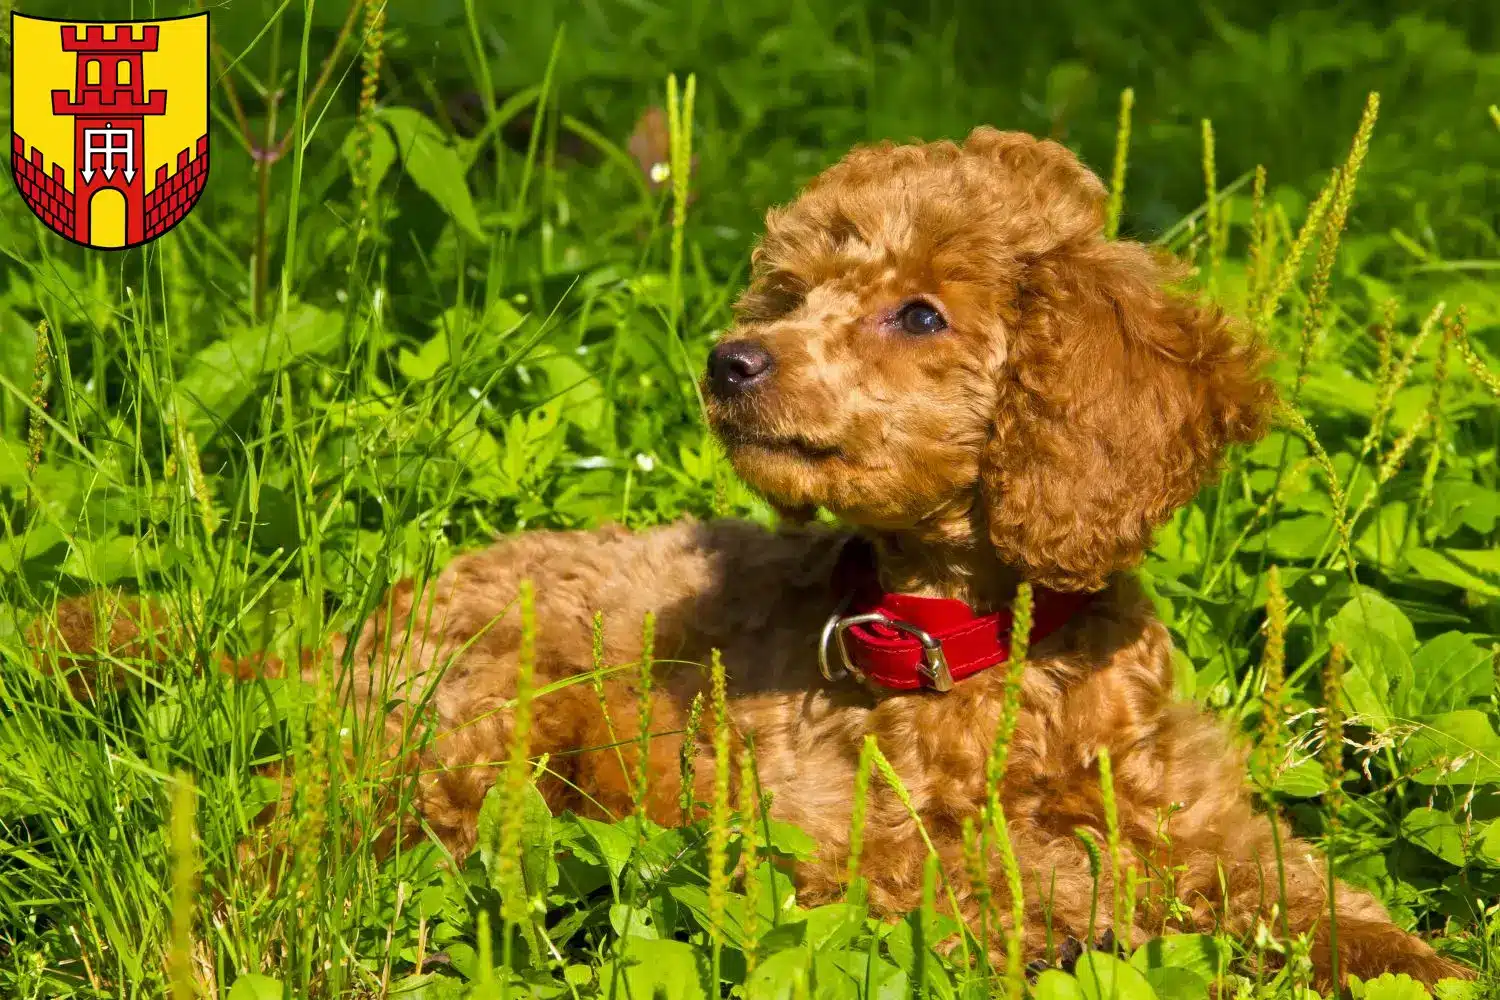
(109, 125)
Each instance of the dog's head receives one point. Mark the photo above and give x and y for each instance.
(937, 340)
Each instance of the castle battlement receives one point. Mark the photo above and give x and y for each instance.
(93, 39)
(184, 158)
(120, 102)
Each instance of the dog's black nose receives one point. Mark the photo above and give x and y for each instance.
(737, 365)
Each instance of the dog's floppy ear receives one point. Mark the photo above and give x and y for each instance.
(1117, 399)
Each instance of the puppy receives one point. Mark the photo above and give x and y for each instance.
(938, 346)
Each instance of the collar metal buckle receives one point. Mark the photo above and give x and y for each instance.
(934, 664)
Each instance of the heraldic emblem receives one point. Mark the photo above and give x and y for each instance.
(109, 125)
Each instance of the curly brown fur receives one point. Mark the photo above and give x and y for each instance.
(1072, 403)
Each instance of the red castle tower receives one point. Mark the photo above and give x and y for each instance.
(109, 121)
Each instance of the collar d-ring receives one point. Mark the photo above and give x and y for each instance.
(934, 665)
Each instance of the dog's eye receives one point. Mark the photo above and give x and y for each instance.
(920, 318)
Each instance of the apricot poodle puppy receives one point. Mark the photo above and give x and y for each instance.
(938, 346)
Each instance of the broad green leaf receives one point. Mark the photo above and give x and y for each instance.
(790, 840)
(695, 900)
(833, 924)
(1454, 748)
(434, 165)
(538, 859)
(1457, 989)
(1102, 976)
(649, 968)
(1054, 984)
(1377, 638)
(1371, 609)
(538, 866)
(1183, 537)
(1449, 672)
(40, 542)
(225, 374)
(886, 982)
(464, 958)
(631, 921)
(1300, 537)
(482, 458)
(1474, 569)
(579, 390)
(14, 459)
(1388, 987)
(424, 363)
(614, 843)
(1435, 831)
(108, 560)
(1368, 685)
(1488, 843)
(17, 357)
(901, 943)
(788, 935)
(1380, 540)
(1184, 676)
(1332, 387)
(1201, 953)
(1458, 503)
(427, 986)
(834, 978)
(1304, 780)
(1172, 983)
(778, 977)
(254, 986)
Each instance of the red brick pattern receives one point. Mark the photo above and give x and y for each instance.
(174, 196)
(48, 196)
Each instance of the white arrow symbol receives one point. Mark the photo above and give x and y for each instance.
(129, 176)
(109, 172)
(88, 174)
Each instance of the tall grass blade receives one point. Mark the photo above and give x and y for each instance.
(680, 126)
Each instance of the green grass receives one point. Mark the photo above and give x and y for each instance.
(444, 315)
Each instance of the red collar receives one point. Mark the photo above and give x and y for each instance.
(906, 643)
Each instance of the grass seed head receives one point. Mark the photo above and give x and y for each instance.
(1273, 664)
(1211, 208)
(1116, 203)
(1337, 219)
(867, 751)
(687, 759)
(644, 695)
(1112, 839)
(1291, 264)
(718, 833)
(41, 376)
